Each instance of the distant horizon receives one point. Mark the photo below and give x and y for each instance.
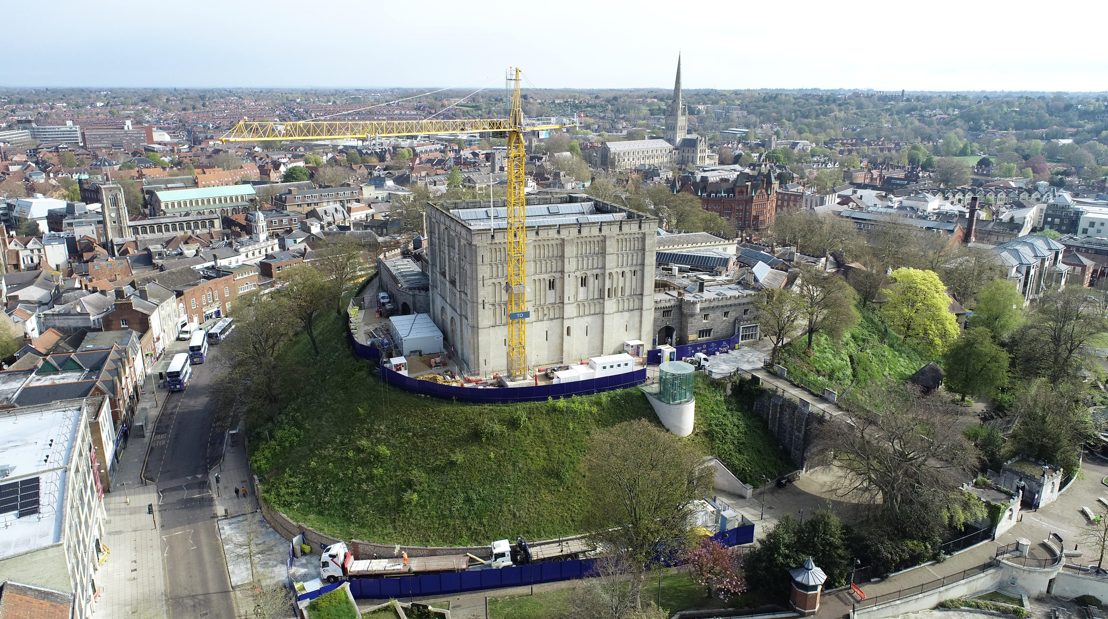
(467, 89)
(949, 46)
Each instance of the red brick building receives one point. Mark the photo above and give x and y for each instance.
(215, 296)
(271, 267)
(749, 201)
(209, 293)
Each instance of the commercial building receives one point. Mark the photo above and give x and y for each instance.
(54, 135)
(125, 136)
(634, 154)
(208, 293)
(302, 200)
(223, 200)
(51, 503)
(590, 279)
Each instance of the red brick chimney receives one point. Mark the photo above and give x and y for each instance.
(967, 235)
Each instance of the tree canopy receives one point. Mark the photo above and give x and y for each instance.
(1051, 341)
(975, 364)
(295, 174)
(999, 309)
(644, 477)
(917, 307)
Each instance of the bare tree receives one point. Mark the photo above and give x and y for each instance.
(342, 259)
(779, 313)
(1096, 534)
(1062, 323)
(826, 303)
(904, 455)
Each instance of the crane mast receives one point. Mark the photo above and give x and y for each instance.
(517, 238)
(516, 233)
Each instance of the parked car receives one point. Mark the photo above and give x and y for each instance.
(383, 298)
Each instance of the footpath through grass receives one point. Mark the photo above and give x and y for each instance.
(360, 460)
(869, 352)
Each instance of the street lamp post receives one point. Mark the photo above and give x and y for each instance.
(762, 512)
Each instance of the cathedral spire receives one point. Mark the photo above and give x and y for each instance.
(677, 123)
(677, 102)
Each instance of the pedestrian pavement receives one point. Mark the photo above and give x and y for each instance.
(255, 554)
(130, 582)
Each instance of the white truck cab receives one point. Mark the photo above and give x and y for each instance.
(334, 561)
(501, 554)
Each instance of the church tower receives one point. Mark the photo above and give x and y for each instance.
(677, 121)
(114, 210)
(258, 228)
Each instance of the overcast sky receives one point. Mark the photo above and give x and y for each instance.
(933, 45)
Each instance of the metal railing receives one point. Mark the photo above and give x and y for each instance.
(908, 592)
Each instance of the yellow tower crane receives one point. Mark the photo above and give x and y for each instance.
(513, 127)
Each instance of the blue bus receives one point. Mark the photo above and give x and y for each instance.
(198, 347)
(221, 330)
(179, 372)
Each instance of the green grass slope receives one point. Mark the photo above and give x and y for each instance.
(877, 353)
(353, 457)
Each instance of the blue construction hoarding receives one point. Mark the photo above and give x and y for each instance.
(447, 583)
(494, 395)
(654, 357)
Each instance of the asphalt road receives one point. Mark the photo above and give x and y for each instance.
(185, 445)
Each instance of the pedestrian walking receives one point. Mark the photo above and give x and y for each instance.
(236, 492)
(244, 491)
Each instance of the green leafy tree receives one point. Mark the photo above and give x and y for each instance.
(999, 309)
(826, 304)
(1052, 423)
(133, 196)
(643, 479)
(454, 179)
(72, 190)
(975, 365)
(307, 293)
(918, 308)
(779, 314)
(403, 154)
(68, 160)
(296, 174)
(9, 344)
(789, 543)
(312, 159)
(353, 157)
(264, 324)
(157, 160)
